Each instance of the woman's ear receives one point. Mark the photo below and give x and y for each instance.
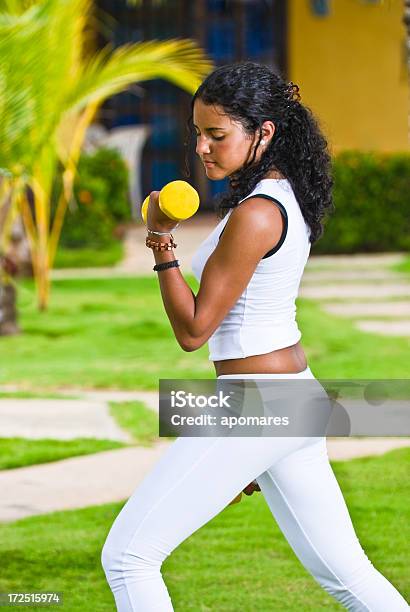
(268, 131)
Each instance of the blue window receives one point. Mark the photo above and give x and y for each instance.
(164, 131)
(217, 187)
(258, 31)
(163, 172)
(221, 40)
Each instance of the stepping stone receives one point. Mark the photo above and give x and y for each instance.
(112, 476)
(349, 448)
(114, 272)
(102, 478)
(149, 398)
(58, 419)
(386, 328)
(355, 261)
(331, 276)
(355, 291)
(371, 309)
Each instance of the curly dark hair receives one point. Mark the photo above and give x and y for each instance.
(251, 94)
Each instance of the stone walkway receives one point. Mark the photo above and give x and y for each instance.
(37, 419)
(112, 476)
(348, 279)
(349, 292)
(101, 478)
(386, 328)
(104, 477)
(361, 288)
(369, 309)
(347, 286)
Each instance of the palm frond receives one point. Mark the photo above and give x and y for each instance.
(49, 94)
(109, 72)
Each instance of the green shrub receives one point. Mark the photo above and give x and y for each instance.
(108, 165)
(100, 201)
(372, 204)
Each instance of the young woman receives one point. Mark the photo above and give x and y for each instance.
(252, 128)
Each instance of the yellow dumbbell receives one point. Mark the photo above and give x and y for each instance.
(178, 200)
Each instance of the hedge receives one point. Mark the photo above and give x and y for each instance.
(372, 204)
(371, 196)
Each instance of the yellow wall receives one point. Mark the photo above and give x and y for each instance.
(350, 67)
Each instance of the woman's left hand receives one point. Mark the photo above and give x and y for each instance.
(156, 219)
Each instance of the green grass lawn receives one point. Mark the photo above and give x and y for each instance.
(113, 333)
(134, 417)
(238, 561)
(90, 257)
(20, 452)
(403, 266)
(140, 421)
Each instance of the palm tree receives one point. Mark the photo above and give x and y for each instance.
(50, 91)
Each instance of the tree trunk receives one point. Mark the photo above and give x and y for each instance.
(8, 311)
(19, 250)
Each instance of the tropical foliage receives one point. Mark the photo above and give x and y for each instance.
(50, 91)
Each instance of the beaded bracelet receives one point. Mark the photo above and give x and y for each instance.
(160, 246)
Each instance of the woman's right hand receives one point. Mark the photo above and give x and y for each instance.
(156, 219)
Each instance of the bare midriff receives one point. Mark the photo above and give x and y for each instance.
(289, 360)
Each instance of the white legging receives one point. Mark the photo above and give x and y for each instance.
(196, 478)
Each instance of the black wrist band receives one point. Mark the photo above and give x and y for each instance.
(166, 265)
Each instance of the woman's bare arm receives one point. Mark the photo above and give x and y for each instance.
(252, 229)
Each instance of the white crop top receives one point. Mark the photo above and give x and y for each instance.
(264, 317)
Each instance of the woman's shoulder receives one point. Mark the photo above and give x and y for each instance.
(254, 220)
